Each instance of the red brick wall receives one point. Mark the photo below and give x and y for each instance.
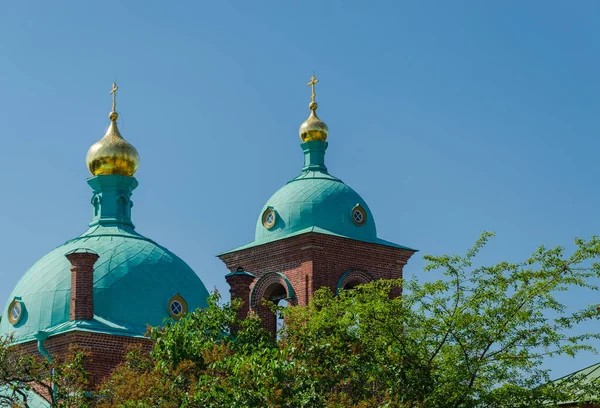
(311, 261)
(105, 351)
(239, 287)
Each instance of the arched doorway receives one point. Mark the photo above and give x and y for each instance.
(279, 320)
(276, 288)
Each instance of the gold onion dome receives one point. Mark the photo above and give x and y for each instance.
(313, 128)
(113, 154)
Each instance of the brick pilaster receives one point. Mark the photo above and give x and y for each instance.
(239, 288)
(82, 283)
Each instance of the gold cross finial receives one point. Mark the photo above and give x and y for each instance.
(313, 81)
(113, 92)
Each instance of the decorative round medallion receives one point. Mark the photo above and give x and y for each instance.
(269, 218)
(177, 307)
(359, 215)
(15, 311)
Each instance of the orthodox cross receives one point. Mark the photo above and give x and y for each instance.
(113, 92)
(312, 83)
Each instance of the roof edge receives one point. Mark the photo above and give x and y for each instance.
(316, 230)
(88, 326)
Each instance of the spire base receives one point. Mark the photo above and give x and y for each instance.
(314, 155)
(112, 200)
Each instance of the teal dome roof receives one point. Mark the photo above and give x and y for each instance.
(316, 201)
(134, 277)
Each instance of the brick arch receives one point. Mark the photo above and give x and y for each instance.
(353, 276)
(266, 283)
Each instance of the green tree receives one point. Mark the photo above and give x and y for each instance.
(62, 382)
(475, 338)
(199, 361)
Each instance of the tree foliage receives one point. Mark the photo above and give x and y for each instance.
(62, 382)
(476, 337)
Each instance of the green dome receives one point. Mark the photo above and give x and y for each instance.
(319, 201)
(134, 277)
(315, 201)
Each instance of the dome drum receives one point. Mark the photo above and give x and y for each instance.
(314, 155)
(111, 199)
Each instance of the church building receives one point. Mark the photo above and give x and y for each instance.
(313, 232)
(102, 288)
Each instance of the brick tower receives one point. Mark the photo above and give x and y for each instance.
(315, 231)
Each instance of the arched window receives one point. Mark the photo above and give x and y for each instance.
(352, 284)
(276, 288)
(353, 278)
(96, 204)
(122, 207)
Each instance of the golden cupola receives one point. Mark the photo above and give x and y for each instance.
(313, 128)
(113, 154)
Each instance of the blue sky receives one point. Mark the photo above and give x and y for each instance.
(449, 118)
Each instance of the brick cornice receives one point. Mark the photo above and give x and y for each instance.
(300, 248)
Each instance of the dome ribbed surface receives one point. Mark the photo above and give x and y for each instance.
(134, 279)
(316, 200)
